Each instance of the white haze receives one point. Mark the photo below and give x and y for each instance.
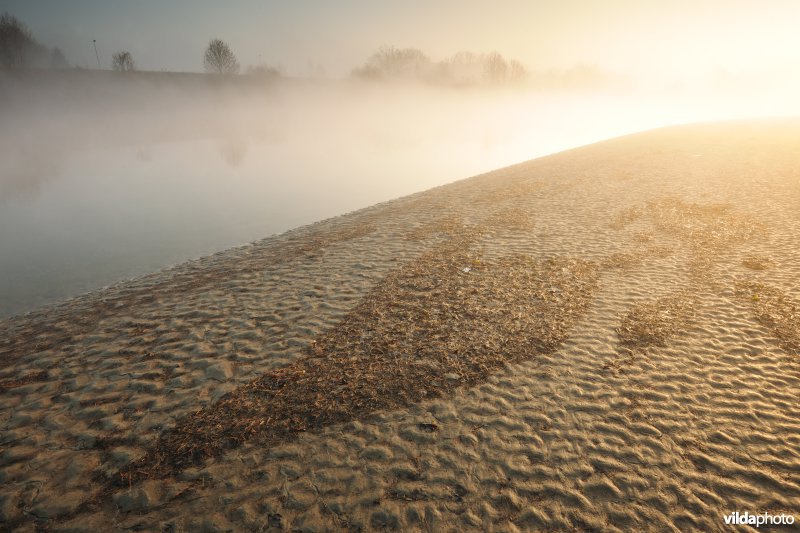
(104, 177)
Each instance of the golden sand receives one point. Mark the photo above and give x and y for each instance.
(602, 339)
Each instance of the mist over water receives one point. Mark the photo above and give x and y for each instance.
(106, 177)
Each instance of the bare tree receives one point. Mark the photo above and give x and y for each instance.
(462, 67)
(18, 49)
(496, 68)
(518, 72)
(391, 62)
(123, 62)
(219, 58)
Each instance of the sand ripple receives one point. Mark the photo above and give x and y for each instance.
(603, 339)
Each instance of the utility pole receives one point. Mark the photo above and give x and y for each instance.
(94, 42)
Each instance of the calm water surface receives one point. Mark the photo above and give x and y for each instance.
(101, 215)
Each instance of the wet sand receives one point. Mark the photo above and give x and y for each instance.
(604, 339)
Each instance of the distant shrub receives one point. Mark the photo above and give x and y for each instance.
(57, 59)
(123, 62)
(263, 71)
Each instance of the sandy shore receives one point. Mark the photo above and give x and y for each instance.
(606, 339)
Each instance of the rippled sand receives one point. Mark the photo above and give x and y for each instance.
(603, 339)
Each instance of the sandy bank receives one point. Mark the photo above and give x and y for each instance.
(602, 339)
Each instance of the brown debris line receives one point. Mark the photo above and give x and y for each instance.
(444, 321)
(705, 226)
(445, 225)
(707, 230)
(775, 310)
(756, 263)
(512, 190)
(622, 260)
(510, 218)
(644, 237)
(626, 217)
(710, 225)
(27, 379)
(635, 257)
(46, 330)
(653, 323)
(431, 201)
(257, 257)
(452, 225)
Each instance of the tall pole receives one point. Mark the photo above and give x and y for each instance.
(94, 42)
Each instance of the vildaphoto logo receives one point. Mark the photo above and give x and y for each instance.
(758, 520)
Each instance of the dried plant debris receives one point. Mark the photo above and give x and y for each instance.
(653, 323)
(626, 217)
(754, 262)
(710, 225)
(632, 258)
(509, 218)
(43, 330)
(622, 260)
(707, 230)
(620, 364)
(513, 190)
(27, 379)
(446, 225)
(644, 237)
(775, 310)
(707, 226)
(623, 176)
(443, 321)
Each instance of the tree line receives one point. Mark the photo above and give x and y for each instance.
(390, 62)
(19, 49)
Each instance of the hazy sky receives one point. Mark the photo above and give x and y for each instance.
(681, 37)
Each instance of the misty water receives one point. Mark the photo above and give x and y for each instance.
(79, 215)
(111, 214)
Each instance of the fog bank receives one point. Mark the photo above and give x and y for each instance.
(104, 175)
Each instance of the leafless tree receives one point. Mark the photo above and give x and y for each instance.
(391, 62)
(496, 68)
(123, 62)
(17, 46)
(219, 58)
(517, 71)
(462, 67)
